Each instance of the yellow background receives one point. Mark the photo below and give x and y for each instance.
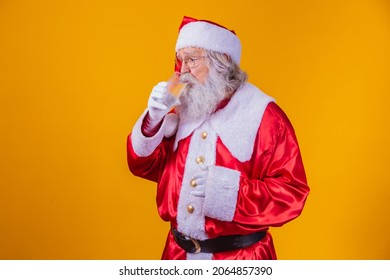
(75, 75)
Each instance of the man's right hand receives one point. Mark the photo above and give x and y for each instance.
(160, 102)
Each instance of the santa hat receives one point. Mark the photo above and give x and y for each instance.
(210, 36)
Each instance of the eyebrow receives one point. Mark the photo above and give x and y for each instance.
(190, 53)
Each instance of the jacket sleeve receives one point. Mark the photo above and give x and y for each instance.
(146, 155)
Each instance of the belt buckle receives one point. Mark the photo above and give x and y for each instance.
(197, 245)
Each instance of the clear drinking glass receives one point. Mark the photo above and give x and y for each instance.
(175, 88)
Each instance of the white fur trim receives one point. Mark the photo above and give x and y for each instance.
(172, 123)
(144, 146)
(193, 224)
(200, 256)
(210, 37)
(185, 129)
(238, 123)
(221, 193)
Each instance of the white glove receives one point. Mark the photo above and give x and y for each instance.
(219, 187)
(200, 180)
(160, 102)
(213, 177)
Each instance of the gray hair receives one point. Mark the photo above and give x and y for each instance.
(234, 76)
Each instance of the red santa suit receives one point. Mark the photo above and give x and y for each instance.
(255, 167)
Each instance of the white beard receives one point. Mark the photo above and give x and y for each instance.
(200, 100)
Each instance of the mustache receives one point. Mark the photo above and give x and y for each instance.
(188, 78)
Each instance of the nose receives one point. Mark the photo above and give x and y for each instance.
(184, 68)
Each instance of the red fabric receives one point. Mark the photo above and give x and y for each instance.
(273, 186)
(147, 129)
(187, 20)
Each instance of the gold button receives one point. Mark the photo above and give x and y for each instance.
(200, 159)
(204, 134)
(193, 183)
(190, 208)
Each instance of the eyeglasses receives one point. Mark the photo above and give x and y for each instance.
(191, 62)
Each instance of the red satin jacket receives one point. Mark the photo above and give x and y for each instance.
(271, 183)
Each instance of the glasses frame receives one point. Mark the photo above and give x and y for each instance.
(191, 62)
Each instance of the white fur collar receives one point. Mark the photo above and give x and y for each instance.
(237, 123)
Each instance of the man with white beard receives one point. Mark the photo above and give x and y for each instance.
(225, 159)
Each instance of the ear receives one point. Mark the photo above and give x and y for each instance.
(227, 57)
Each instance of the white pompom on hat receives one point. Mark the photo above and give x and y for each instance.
(209, 36)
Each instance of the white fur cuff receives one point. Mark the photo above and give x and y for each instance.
(221, 193)
(144, 146)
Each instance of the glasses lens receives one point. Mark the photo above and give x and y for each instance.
(192, 62)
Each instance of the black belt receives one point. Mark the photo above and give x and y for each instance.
(217, 244)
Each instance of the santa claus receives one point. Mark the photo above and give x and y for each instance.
(225, 159)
